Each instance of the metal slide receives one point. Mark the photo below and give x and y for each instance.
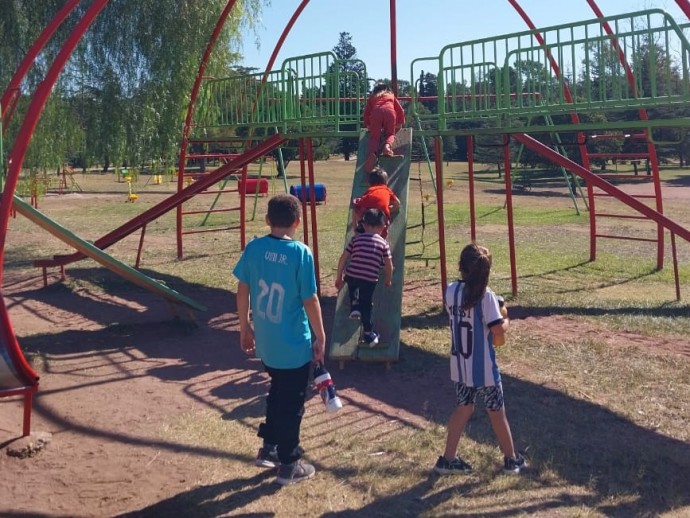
(90, 250)
(345, 333)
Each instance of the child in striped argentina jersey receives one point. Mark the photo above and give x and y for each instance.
(475, 322)
(359, 267)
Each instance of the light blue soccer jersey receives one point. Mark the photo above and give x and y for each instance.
(281, 276)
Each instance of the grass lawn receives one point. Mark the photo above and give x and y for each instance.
(596, 367)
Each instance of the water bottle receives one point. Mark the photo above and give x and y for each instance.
(504, 313)
(326, 388)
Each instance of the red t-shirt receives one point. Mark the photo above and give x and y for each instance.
(375, 197)
(385, 101)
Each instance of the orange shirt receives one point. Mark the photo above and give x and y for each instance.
(376, 197)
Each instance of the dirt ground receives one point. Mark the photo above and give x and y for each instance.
(109, 390)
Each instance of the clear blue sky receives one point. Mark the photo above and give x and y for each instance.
(424, 26)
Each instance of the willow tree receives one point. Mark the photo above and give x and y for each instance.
(123, 95)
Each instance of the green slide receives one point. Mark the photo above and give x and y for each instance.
(98, 255)
(345, 333)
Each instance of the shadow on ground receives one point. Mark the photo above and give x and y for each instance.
(585, 443)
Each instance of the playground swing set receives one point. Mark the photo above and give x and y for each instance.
(273, 103)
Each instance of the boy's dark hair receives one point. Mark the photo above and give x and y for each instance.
(378, 177)
(380, 87)
(374, 218)
(475, 266)
(283, 210)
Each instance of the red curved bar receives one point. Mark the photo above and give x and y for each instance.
(190, 113)
(651, 148)
(13, 86)
(8, 340)
(684, 6)
(554, 66)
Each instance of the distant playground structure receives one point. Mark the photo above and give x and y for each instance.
(302, 99)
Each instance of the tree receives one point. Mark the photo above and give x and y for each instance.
(129, 79)
(352, 85)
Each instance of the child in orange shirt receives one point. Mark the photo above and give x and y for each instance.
(377, 196)
(383, 115)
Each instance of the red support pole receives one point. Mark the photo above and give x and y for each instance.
(651, 148)
(509, 207)
(190, 114)
(25, 133)
(243, 207)
(303, 195)
(438, 160)
(675, 265)
(283, 35)
(394, 47)
(28, 404)
(141, 246)
(470, 171)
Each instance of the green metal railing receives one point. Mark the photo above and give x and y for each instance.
(310, 94)
(503, 80)
(516, 76)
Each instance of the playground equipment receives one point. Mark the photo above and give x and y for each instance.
(317, 192)
(275, 105)
(345, 340)
(132, 196)
(253, 186)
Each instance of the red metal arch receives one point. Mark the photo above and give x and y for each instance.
(24, 372)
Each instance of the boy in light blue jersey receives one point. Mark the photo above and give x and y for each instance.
(277, 280)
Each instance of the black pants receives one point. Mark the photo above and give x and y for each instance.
(362, 299)
(284, 410)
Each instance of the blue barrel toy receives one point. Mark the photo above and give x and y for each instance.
(318, 193)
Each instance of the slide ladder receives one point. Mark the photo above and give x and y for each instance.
(645, 153)
(345, 333)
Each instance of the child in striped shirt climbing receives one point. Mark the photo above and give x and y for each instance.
(359, 267)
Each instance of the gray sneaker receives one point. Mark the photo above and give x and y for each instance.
(295, 472)
(267, 458)
(446, 467)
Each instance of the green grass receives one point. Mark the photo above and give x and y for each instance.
(604, 413)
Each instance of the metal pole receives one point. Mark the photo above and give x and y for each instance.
(394, 47)
(438, 150)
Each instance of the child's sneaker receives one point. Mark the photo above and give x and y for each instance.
(371, 338)
(267, 457)
(295, 472)
(514, 465)
(355, 315)
(446, 467)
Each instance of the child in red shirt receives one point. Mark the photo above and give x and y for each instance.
(383, 115)
(377, 196)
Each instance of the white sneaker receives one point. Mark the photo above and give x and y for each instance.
(372, 339)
